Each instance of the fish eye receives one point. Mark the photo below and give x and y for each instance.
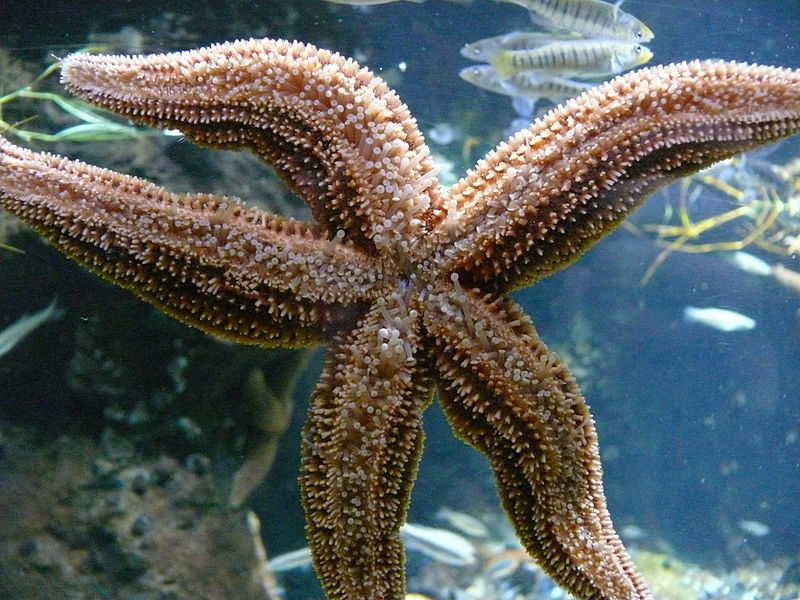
(472, 72)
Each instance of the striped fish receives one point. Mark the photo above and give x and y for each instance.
(482, 50)
(525, 84)
(574, 58)
(591, 18)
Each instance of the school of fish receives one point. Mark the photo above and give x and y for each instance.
(583, 39)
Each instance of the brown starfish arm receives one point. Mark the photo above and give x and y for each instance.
(542, 198)
(361, 447)
(334, 132)
(209, 261)
(507, 395)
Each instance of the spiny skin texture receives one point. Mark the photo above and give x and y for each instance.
(405, 284)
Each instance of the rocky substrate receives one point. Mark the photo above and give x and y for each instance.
(90, 520)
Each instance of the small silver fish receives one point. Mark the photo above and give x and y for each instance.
(441, 545)
(288, 561)
(632, 532)
(744, 261)
(482, 50)
(592, 18)
(754, 528)
(463, 522)
(574, 58)
(444, 133)
(525, 84)
(17, 331)
(719, 318)
(368, 2)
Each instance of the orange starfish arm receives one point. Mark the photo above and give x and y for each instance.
(335, 133)
(209, 261)
(361, 446)
(538, 201)
(507, 395)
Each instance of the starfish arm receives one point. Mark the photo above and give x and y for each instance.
(508, 396)
(209, 261)
(361, 447)
(542, 198)
(334, 132)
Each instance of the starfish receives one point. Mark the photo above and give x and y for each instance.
(406, 284)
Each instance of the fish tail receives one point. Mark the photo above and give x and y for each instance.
(56, 312)
(52, 311)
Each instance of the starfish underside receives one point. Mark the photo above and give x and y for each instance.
(406, 284)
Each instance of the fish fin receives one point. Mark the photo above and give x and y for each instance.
(544, 22)
(52, 311)
(524, 105)
(501, 61)
(617, 10)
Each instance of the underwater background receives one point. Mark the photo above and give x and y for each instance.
(699, 428)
